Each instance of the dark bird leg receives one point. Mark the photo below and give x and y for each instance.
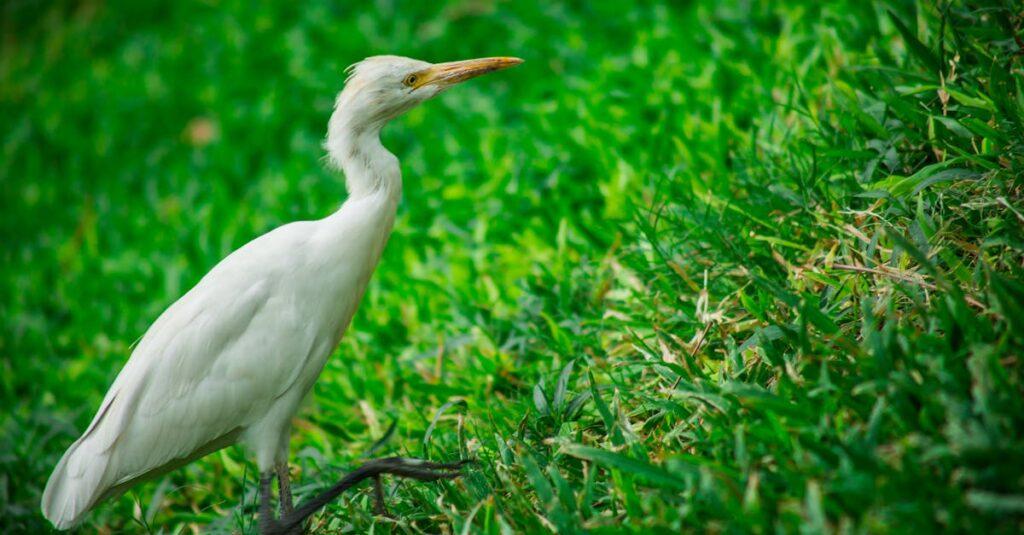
(409, 468)
(266, 511)
(284, 489)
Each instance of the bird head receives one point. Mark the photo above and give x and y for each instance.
(380, 88)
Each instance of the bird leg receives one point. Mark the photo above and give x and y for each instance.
(378, 498)
(284, 489)
(417, 469)
(266, 511)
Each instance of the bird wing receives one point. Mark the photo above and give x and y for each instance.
(214, 360)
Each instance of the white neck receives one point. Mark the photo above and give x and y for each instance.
(353, 145)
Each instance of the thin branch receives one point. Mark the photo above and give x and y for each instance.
(906, 278)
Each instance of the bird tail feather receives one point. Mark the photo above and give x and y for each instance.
(80, 479)
(75, 485)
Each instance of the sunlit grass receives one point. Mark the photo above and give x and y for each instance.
(745, 267)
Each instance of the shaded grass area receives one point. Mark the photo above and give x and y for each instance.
(744, 267)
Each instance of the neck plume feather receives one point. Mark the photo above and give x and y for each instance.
(353, 145)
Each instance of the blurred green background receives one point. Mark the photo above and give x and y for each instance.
(716, 266)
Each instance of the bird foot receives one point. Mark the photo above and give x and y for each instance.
(417, 469)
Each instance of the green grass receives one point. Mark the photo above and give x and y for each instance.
(751, 267)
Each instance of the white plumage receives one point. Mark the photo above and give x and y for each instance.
(233, 358)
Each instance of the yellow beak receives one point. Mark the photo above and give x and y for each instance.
(454, 72)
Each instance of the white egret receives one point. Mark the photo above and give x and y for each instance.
(233, 358)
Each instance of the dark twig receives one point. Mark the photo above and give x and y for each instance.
(402, 467)
(904, 278)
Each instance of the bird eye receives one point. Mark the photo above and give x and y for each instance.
(410, 80)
